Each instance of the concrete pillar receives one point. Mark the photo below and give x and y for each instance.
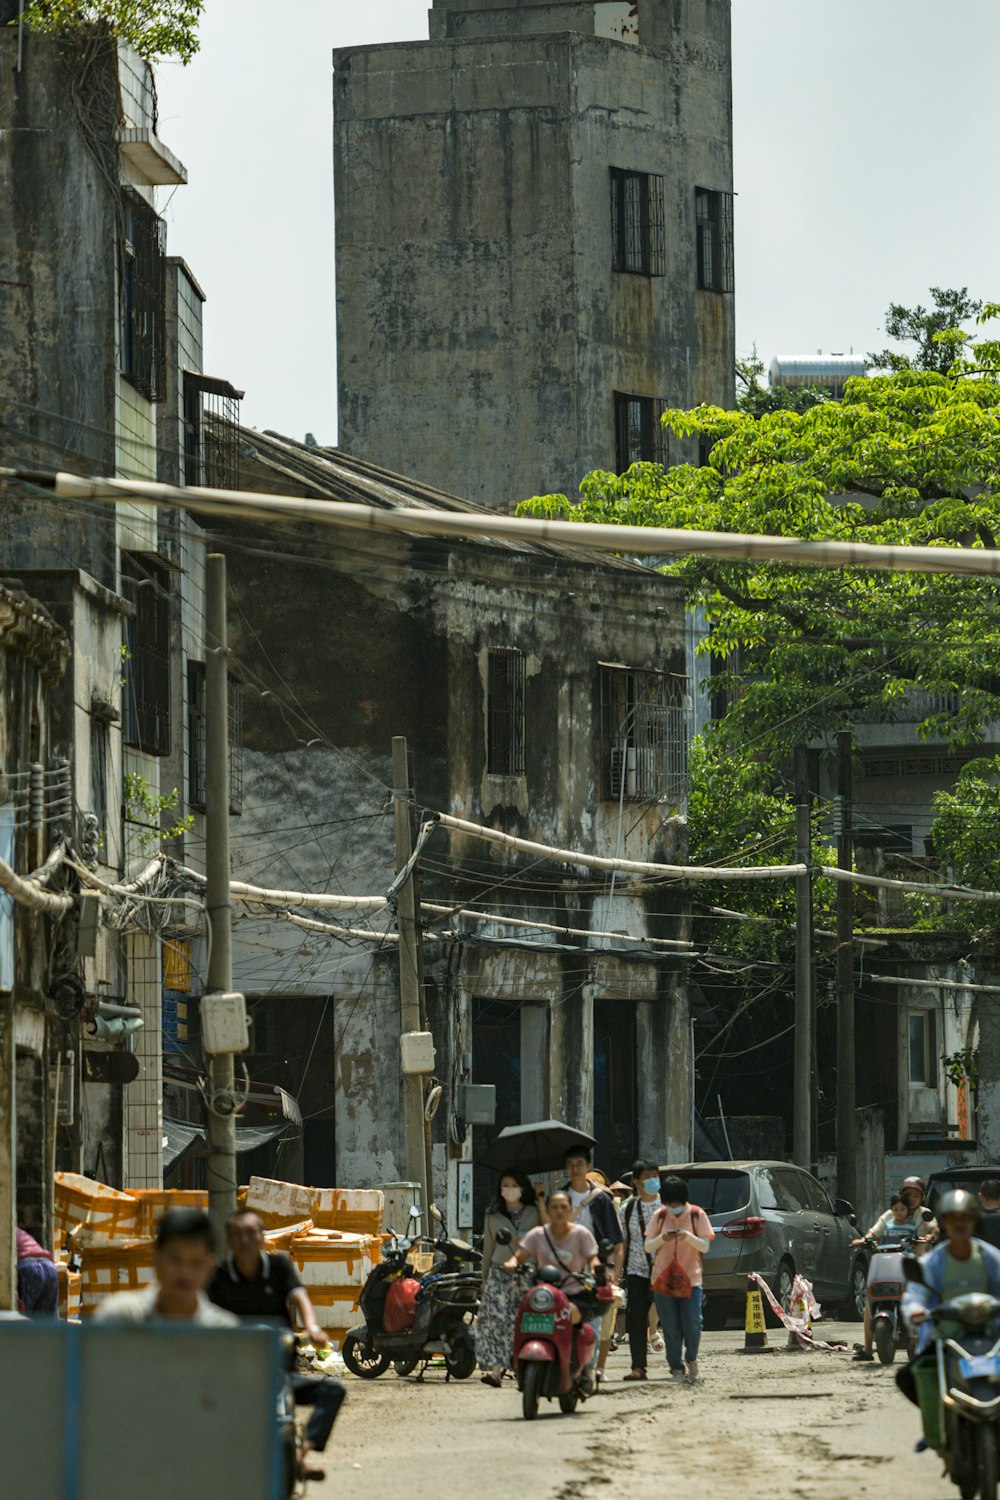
(571, 1053)
(534, 1058)
(8, 1160)
(664, 1072)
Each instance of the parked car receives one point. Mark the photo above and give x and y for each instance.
(949, 1178)
(776, 1219)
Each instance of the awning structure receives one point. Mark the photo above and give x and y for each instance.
(181, 1137)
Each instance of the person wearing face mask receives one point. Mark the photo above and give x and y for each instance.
(637, 1215)
(514, 1209)
(680, 1231)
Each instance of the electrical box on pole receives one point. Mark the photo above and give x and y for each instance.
(224, 1024)
(417, 1052)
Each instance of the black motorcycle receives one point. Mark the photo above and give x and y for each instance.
(409, 1318)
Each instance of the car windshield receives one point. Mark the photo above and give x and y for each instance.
(719, 1192)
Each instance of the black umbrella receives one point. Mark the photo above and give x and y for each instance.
(540, 1147)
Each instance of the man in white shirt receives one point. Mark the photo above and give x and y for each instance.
(184, 1260)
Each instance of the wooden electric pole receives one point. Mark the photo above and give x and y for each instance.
(410, 1009)
(220, 1115)
(847, 1139)
(803, 1050)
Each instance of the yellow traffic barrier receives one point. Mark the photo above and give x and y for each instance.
(755, 1333)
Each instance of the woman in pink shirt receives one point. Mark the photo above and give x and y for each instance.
(680, 1231)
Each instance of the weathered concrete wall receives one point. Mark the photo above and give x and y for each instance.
(349, 642)
(58, 309)
(476, 302)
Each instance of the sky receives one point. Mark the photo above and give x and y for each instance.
(863, 140)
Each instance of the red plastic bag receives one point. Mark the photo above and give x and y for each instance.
(673, 1282)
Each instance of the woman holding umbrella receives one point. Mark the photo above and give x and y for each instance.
(513, 1209)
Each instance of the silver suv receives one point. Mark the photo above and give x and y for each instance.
(774, 1218)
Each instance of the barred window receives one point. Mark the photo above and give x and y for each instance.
(637, 223)
(211, 432)
(196, 739)
(143, 299)
(505, 712)
(146, 586)
(645, 725)
(714, 239)
(639, 433)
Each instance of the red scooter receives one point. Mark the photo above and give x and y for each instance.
(551, 1354)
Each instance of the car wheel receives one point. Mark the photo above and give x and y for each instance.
(854, 1307)
(782, 1289)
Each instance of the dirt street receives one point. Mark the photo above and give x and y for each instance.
(775, 1426)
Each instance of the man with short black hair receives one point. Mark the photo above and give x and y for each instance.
(594, 1208)
(989, 1220)
(257, 1284)
(184, 1259)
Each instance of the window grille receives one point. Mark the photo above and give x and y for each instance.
(646, 724)
(639, 433)
(922, 1051)
(146, 586)
(143, 299)
(196, 740)
(638, 239)
(505, 712)
(211, 432)
(714, 240)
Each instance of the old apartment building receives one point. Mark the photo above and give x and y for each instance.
(534, 239)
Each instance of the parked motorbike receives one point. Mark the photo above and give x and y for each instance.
(552, 1355)
(410, 1318)
(885, 1296)
(968, 1385)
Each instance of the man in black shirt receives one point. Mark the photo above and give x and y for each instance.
(258, 1284)
(989, 1221)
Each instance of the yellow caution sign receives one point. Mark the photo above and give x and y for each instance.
(755, 1333)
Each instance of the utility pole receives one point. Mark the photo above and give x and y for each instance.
(803, 1065)
(409, 979)
(221, 1110)
(847, 1139)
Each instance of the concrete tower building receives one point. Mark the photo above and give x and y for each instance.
(534, 239)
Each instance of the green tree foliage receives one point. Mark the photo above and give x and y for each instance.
(911, 457)
(155, 28)
(966, 829)
(930, 329)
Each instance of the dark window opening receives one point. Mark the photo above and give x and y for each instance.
(637, 223)
(196, 740)
(99, 738)
(211, 432)
(714, 231)
(143, 301)
(645, 727)
(146, 586)
(639, 433)
(505, 712)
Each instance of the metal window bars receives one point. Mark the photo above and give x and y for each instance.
(146, 586)
(640, 436)
(211, 431)
(714, 240)
(638, 238)
(143, 299)
(646, 728)
(505, 712)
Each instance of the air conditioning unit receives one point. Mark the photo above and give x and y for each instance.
(623, 763)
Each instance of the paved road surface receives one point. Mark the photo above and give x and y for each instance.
(781, 1425)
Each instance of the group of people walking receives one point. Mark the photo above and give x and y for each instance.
(653, 1248)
